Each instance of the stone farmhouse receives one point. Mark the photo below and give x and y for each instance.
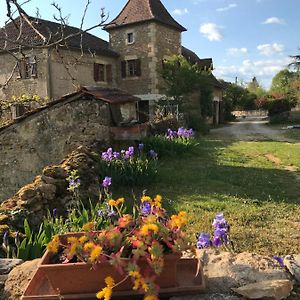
(140, 38)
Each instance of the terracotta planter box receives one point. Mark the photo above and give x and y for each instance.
(83, 281)
(135, 132)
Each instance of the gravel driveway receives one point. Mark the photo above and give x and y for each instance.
(250, 129)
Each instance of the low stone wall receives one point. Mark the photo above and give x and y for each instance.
(49, 191)
(250, 113)
(46, 136)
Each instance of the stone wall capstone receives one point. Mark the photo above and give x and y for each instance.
(46, 137)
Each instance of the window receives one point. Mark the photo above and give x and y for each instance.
(103, 73)
(130, 38)
(131, 68)
(27, 67)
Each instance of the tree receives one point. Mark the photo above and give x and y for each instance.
(239, 97)
(287, 83)
(296, 61)
(17, 44)
(183, 79)
(255, 88)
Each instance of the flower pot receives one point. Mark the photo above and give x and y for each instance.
(75, 278)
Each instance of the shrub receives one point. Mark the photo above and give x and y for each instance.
(173, 143)
(129, 167)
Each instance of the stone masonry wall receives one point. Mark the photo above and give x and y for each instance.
(152, 43)
(19, 86)
(45, 137)
(80, 67)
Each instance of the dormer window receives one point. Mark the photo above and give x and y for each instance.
(130, 38)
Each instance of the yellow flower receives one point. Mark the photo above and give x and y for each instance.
(178, 220)
(53, 245)
(88, 246)
(112, 202)
(146, 198)
(97, 250)
(134, 274)
(150, 297)
(109, 281)
(88, 226)
(73, 249)
(83, 239)
(146, 227)
(107, 291)
(120, 200)
(72, 239)
(105, 294)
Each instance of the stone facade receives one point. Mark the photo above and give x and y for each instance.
(152, 43)
(47, 136)
(29, 86)
(55, 71)
(80, 67)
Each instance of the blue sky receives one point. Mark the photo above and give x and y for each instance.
(245, 38)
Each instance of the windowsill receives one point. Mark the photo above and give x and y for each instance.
(129, 43)
(131, 78)
(29, 78)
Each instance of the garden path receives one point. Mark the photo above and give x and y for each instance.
(251, 129)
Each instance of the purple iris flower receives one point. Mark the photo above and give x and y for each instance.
(141, 147)
(203, 240)
(153, 154)
(111, 213)
(279, 260)
(54, 212)
(146, 208)
(106, 182)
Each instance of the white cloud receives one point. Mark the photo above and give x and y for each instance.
(270, 49)
(263, 69)
(180, 12)
(211, 31)
(236, 51)
(274, 20)
(228, 7)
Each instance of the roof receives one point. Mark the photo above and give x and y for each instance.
(215, 82)
(193, 58)
(51, 30)
(137, 11)
(110, 96)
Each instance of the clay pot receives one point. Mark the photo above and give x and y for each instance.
(80, 278)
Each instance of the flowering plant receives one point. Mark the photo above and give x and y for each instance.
(131, 166)
(146, 234)
(220, 237)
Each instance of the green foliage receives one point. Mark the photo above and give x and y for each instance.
(287, 83)
(238, 98)
(34, 244)
(183, 79)
(137, 170)
(76, 219)
(169, 148)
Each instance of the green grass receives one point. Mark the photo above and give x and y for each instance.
(259, 198)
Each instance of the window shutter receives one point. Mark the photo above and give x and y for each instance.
(138, 67)
(109, 73)
(123, 68)
(96, 72)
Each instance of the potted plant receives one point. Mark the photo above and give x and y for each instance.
(139, 251)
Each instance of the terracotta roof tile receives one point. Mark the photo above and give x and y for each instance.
(50, 30)
(137, 11)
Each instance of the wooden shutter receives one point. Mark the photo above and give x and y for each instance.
(123, 68)
(109, 73)
(96, 72)
(138, 67)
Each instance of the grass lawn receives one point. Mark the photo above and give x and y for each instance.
(248, 181)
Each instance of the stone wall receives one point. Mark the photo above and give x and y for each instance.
(18, 86)
(68, 64)
(152, 43)
(49, 190)
(47, 136)
(55, 71)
